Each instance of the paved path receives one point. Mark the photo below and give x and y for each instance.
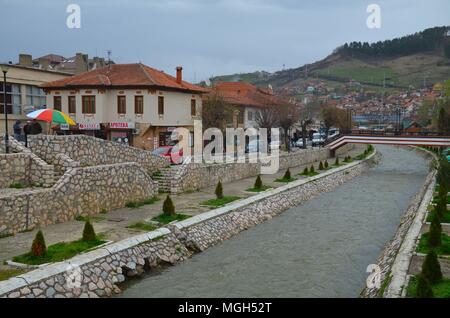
(115, 222)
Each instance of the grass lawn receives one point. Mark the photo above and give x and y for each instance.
(445, 219)
(220, 202)
(137, 204)
(142, 226)
(444, 249)
(166, 219)
(309, 174)
(285, 180)
(58, 252)
(8, 273)
(435, 199)
(440, 290)
(91, 218)
(262, 189)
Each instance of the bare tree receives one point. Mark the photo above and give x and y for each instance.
(267, 117)
(288, 115)
(215, 112)
(333, 116)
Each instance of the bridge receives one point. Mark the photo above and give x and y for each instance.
(432, 139)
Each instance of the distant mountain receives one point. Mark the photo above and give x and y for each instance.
(415, 60)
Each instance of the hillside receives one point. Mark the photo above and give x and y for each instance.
(378, 66)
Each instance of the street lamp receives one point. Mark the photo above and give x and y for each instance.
(5, 68)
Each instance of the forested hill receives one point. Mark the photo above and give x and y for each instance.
(420, 42)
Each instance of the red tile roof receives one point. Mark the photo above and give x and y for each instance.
(245, 94)
(124, 75)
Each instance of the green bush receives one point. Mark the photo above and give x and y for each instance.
(435, 239)
(219, 190)
(423, 288)
(287, 175)
(431, 269)
(258, 182)
(321, 166)
(312, 170)
(88, 232)
(38, 248)
(305, 171)
(326, 164)
(168, 207)
(336, 162)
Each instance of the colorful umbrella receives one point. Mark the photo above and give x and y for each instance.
(51, 116)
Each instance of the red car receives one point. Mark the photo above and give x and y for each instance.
(172, 152)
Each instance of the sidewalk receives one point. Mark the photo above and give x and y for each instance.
(113, 224)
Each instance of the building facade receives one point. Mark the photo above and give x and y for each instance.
(128, 103)
(24, 93)
(246, 101)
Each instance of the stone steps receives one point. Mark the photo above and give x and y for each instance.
(165, 177)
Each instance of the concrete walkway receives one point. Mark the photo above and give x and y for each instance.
(113, 225)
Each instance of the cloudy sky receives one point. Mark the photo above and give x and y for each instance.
(207, 37)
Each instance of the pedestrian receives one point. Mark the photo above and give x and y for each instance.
(26, 131)
(36, 128)
(17, 130)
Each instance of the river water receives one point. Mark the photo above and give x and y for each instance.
(318, 249)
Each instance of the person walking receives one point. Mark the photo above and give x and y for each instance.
(26, 131)
(17, 130)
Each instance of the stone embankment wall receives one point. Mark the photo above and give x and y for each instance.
(388, 256)
(22, 166)
(191, 177)
(97, 273)
(90, 151)
(80, 191)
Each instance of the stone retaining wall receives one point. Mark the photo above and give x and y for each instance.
(90, 151)
(98, 273)
(80, 191)
(191, 177)
(21, 165)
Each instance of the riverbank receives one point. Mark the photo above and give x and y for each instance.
(395, 258)
(97, 273)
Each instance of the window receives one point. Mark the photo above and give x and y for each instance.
(138, 104)
(160, 105)
(193, 107)
(72, 105)
(240, 117)
(8, 98)
(250, 115)
(121, 105)
(88, 104)
(35, 97)
(57, 103)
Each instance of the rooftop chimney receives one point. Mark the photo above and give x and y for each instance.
(81, 63)
(25, 60)
(179, 74)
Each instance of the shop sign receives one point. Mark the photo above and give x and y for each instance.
(122, 125)
(89, 126)
(64, 126)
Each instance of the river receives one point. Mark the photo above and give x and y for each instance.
(318, 249)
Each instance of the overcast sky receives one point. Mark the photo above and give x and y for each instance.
(207, 37)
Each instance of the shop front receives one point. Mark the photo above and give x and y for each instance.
(121, 132)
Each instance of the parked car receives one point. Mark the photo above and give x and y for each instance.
(299, 143)
(318, 139)
(172, 152)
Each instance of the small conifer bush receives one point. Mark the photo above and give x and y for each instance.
(219, 190)
(88, 232)
(168, 207)
(287, 175)
(431, 269)
(38, 248)
(321, 166)
(258, 182)
(423, 289)
(435, 236)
